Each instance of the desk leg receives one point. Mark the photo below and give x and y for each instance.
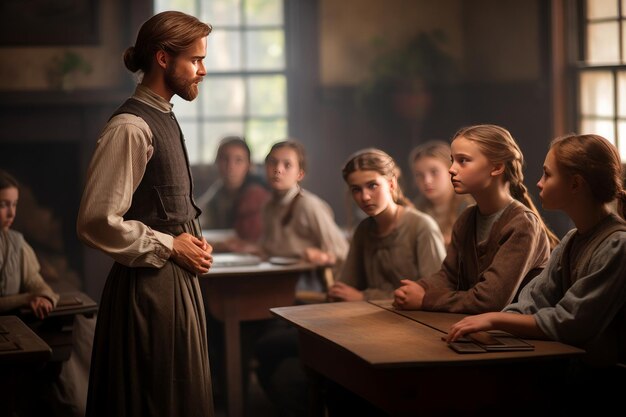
(233, 367)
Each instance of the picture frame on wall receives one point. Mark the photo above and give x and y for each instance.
(49, 22)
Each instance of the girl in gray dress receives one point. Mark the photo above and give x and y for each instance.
(580, 297)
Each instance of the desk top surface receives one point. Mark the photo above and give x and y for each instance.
(27, 346)
(70, 303)
(263, 268)
(436, 320)
(384, 338)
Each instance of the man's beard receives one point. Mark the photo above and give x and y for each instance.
(186, 89)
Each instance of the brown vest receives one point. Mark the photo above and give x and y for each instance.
(164, 196)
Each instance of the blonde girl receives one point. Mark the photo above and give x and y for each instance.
(580, 298)
(297, 223)
(498, 244)
(430, 163)
(394, 242)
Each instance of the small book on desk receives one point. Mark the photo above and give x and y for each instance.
(69, 304)
(481, 342)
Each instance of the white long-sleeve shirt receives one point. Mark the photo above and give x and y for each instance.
(116, 169)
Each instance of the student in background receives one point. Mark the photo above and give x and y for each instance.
(580, 297)
(21, 284)
(296, 222)
(394, 242)
(236, 199)
(498, 244)
(430, 163)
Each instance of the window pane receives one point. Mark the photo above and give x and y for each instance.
(185, 6)
(599, 127)
(214, 132)
(264, 12)
(223, 51)
(268, 95)
(184, 109)
(265, 50)
(602, 43)
(623, 7)
(192, 139)
(621, 94)
(262, 134)
(596, 94)
(221, 12)
(621, 126)
(601, 8)
(222, 96)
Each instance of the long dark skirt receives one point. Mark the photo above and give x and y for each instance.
(150, 355)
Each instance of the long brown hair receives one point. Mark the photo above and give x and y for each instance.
(294, 145)
(372, 159)
(596, 160)
(498, 145)
(7, 180)
(170, 31)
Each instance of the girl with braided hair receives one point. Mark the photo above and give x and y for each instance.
(580, 298)
(498, 244)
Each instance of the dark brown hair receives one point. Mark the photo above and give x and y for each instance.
(7, 180)
(497, 144)
(232, 141)
(171, 31)
(291, 144)
(597, 161)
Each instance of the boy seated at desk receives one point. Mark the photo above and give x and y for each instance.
(21, 284)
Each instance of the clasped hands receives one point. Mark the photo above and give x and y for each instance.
(192, 253)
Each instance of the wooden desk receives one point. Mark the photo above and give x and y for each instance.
(236, 294)
(31, 353)
(404, 368)
(57, 329)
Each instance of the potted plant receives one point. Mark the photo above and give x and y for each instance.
(63, 70)
(402, 79)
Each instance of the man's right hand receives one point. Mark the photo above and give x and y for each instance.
(192, 253)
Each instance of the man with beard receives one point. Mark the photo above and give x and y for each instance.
(150, 353)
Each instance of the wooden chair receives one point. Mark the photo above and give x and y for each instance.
(316, 297)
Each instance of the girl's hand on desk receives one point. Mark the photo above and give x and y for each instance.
(318, 257)
(41, 307)
(192, 253)
(344, 292)
(471, 324)
(409, 296)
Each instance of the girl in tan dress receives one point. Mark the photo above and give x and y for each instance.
(394, 242)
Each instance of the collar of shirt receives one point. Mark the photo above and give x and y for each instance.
(146, 95)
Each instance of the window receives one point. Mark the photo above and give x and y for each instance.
(601, 74)
(245, 90)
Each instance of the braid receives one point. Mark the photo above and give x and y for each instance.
(520, 193)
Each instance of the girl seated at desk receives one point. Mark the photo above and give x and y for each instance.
(236, 199)
(580, 298)
(498, 244)
(394, 242)
(430, 163)
(296, 222)
(21, 284)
